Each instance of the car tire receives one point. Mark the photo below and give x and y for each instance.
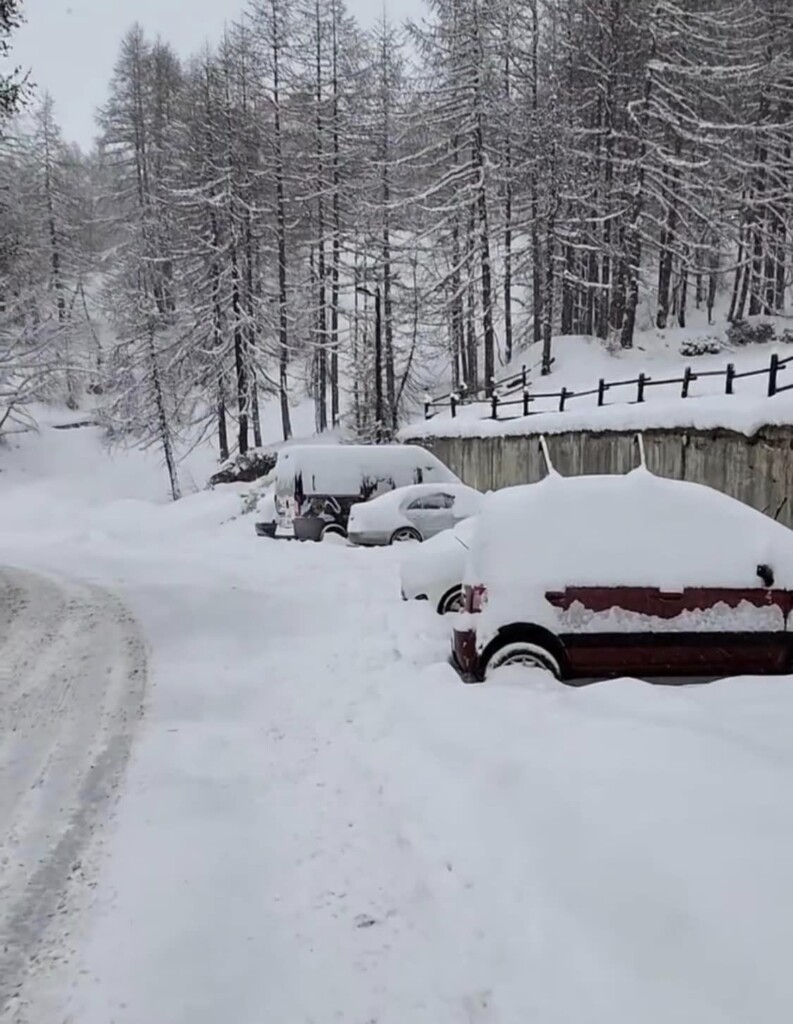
(333, 530)
(522, 652)
(405, 533)
(452, 601)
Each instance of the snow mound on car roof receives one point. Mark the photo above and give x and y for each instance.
(632, 530)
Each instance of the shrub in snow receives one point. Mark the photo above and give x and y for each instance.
(741, 332)
(253, 465)
(701, 347)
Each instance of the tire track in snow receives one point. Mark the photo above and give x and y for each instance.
(72, 680)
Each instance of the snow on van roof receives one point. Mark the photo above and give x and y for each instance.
(340, 469)
(633, 530)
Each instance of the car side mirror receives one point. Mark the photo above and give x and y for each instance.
(766, 574)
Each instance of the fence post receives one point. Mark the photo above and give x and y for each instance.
(494, 406)
(526, 401)
(730, 379)
(524, 381)
(601, 391)
(453, 405)
(562, 399)
(688, 376)
(773, 373)
(641, 381)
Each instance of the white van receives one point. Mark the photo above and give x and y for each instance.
(316, 485)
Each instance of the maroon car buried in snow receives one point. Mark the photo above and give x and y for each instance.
(605, 576)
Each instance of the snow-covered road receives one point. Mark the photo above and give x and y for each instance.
(72, 676)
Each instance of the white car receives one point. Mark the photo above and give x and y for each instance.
(434, 572)
(416, 512)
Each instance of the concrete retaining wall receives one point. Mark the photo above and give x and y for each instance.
(757, 470)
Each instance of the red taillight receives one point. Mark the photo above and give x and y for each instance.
(475, 597)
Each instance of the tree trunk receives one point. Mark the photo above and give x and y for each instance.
(378, 366)
(536, 270)
(668, 243)
(336, 251)
(683, 301)
(162, 417)
(283, 319)
(472, 355)
(321, 400)
(547, 308)
(385, 254)
(508, 201)
(223, 433)
(486, 271)
(240, 361)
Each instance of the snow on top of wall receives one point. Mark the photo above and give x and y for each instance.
(743, 415)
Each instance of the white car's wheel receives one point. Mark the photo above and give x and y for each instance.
(523, 652)
(405, 533)
(452, 601)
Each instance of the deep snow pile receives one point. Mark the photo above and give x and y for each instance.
(321, 823)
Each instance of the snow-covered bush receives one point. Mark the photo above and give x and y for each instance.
(701, 347)
(243, 469)
(741, 332)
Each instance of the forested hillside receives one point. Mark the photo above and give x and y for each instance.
(314, 208)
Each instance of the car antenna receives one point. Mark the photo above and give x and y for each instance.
(638, 441)
(549, 467)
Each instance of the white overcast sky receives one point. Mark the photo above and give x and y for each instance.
(70, 46)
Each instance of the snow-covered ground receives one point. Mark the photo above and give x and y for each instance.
(579, 363)
(321, 824)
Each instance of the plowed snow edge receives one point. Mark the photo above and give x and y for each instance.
(72, 682)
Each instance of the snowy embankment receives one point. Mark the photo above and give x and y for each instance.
(321, 823)
(579, 363)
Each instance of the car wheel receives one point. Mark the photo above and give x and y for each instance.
(452, 601)
(523, 652)
(405, 533)
(333, 530)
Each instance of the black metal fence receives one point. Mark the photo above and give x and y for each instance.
(516, 393)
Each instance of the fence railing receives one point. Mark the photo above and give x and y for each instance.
(519, 383)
